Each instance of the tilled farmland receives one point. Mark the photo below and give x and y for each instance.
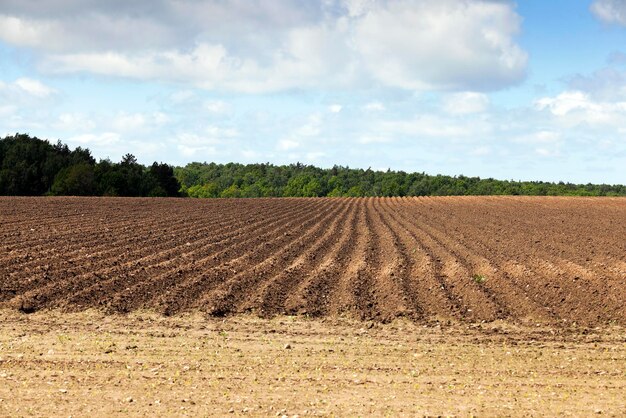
(552, 260)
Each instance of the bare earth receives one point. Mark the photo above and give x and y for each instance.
(497, 306)
(553, 260)
(86, 364)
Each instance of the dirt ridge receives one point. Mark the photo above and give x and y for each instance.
(520, 259)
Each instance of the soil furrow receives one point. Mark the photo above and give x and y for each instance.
(394, 275)
(210, 271)
(103, 265)
(133, 232)
(545, 259)
(430, 271)
(344, 301)
(151, 281)
(456, 274)
(271, 296)
(313, 294)
(369, 293)
(522, 290)
(419, 286)
(233, 291)
(95, 286)
(505, 294)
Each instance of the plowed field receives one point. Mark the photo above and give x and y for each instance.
(554, 260)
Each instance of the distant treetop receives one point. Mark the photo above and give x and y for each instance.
(31, 166)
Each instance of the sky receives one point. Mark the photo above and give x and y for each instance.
(526, 90)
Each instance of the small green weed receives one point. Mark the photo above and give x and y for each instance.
(479, 278)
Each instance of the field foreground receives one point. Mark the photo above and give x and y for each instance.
(552, 260)
(80, 364)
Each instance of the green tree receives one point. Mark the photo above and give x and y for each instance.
(232, 191)
(76, 180)
(203, 191)
(166, 183)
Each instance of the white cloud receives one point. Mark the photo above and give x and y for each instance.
(305, 62)
(465, 103)
(219, 132)
(435, 126)
(374, 107)
(216, 106)
(566, 102)
(23, 102)
(210, 135)
(448, 44)
(6, 110)
(258, 47)
(287, 144)
(314, 156)
(576, 107)
(74, 122)
(160, 118)
(303, 134)
(610, 11)
(358, 8)
(250, 154)
(369, 139)
(606, 84)
(545, 152)
(34, 87)
(20, 32)
(106, 138)
(182, 96)
(139, 122)
(335, 108)
(85, 30)
(481, 151)
(196, 153)
(129, 122)
(312, 127)
(540, 137)
(198, 146)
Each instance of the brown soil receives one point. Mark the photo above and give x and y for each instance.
(551, 260)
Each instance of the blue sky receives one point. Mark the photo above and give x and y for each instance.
(530, 90)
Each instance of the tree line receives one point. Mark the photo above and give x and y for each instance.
(266, 180)
(33, 167)
(30, 166)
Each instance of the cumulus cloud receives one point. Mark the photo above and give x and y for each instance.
(610, 11)
(32, 87)
(305, 132)
(575, 107)
(267, 46)
(74, 122)
(606, 84)
(6, 110)
(137, 122)
(374, 107)
(447, 44)
(24, 92)
(307, 61)
(312, 127)
(287, 144)
(216, 106)
(481, 151)
(105, 138)
(539, 137)
(335, 108)
(204, 143)
(432, 125)
(465, 103)
(371, 139)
